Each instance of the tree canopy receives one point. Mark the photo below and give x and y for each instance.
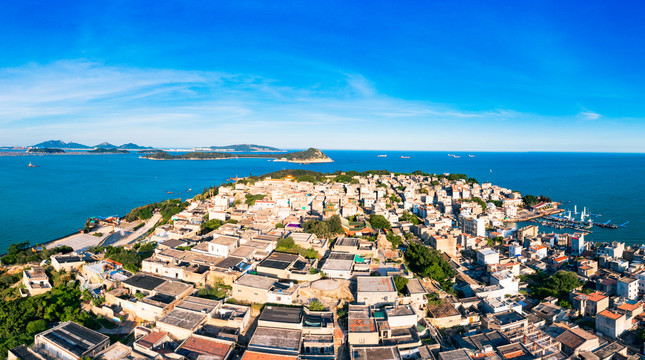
(429, 262)
(379, 222)
(23, 253)
(558, 285)
(324, 228)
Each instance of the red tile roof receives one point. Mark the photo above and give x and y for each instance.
(201, 346)
(150, 340)
(252, 355)
(610, 314)
(629, 307)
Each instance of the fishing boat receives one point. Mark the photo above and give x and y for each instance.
(405, 157)
(31, 165)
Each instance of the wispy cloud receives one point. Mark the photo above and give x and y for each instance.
(589, 115)
(92, 102)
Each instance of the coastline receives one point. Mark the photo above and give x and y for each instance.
(315, 161)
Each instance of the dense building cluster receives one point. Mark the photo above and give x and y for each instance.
(370, 266)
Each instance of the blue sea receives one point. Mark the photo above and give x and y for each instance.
(54, 199)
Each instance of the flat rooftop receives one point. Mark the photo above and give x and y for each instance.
(275, 338)
(399, 311)
(347, 241)
(459, 354)
(487, 251)
(255, 281)
(63, 259)
(508, 317)
(144, 281)
(416, 287)
(74, 338)
(199, 305)
(289, 315)
(375, 352)
(279, 260)
(335, 255)
(375, 284)
(182, 318)
(229, 262)
(173, 288)
(225, 240)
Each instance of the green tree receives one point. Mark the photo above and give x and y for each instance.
(379, 222)
(400, 282)
(530, 200)
(36, 326)
(316, 305)
(429, 262)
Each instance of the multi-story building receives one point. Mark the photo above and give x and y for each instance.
(627, 288)
(611, 324)
(487, 256)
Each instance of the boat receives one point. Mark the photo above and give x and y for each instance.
(405, 157)
(471, 155)
(168, 192)
(189, 190)
(457, 157)
(381, 155)
(31, 165)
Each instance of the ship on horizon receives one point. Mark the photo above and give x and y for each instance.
(381, 155)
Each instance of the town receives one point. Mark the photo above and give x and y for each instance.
(304, 265)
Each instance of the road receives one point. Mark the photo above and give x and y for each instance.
(150, 223)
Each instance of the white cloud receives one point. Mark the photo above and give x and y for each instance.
(162, 107)
(589, 115)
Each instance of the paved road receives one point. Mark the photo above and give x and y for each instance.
(144, 229)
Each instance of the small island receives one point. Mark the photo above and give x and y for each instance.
(308, 156)
(45, 151)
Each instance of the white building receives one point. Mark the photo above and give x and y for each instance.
(627, 288)
(611, 324)
(577, 244)
(473, 226)
(514, 249)
(487, 256)
(223, 245)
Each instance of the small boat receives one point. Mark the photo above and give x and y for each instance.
(381, 155)
(31, 165)
(189, 190)
(457, 157)
(168, 192)
(405, 157)
(471, 155)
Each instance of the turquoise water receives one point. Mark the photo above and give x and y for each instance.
(54, 199)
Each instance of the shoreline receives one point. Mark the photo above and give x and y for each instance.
(317, 161)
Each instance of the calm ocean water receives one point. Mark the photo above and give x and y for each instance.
(54, 199)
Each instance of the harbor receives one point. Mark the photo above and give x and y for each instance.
(568, 219)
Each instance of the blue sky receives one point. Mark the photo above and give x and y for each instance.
(442, 75)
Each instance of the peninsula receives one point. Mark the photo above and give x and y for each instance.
(308, 156)
(410, 252)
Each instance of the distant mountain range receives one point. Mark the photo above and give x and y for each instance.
(59, 144)
(245, 148)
